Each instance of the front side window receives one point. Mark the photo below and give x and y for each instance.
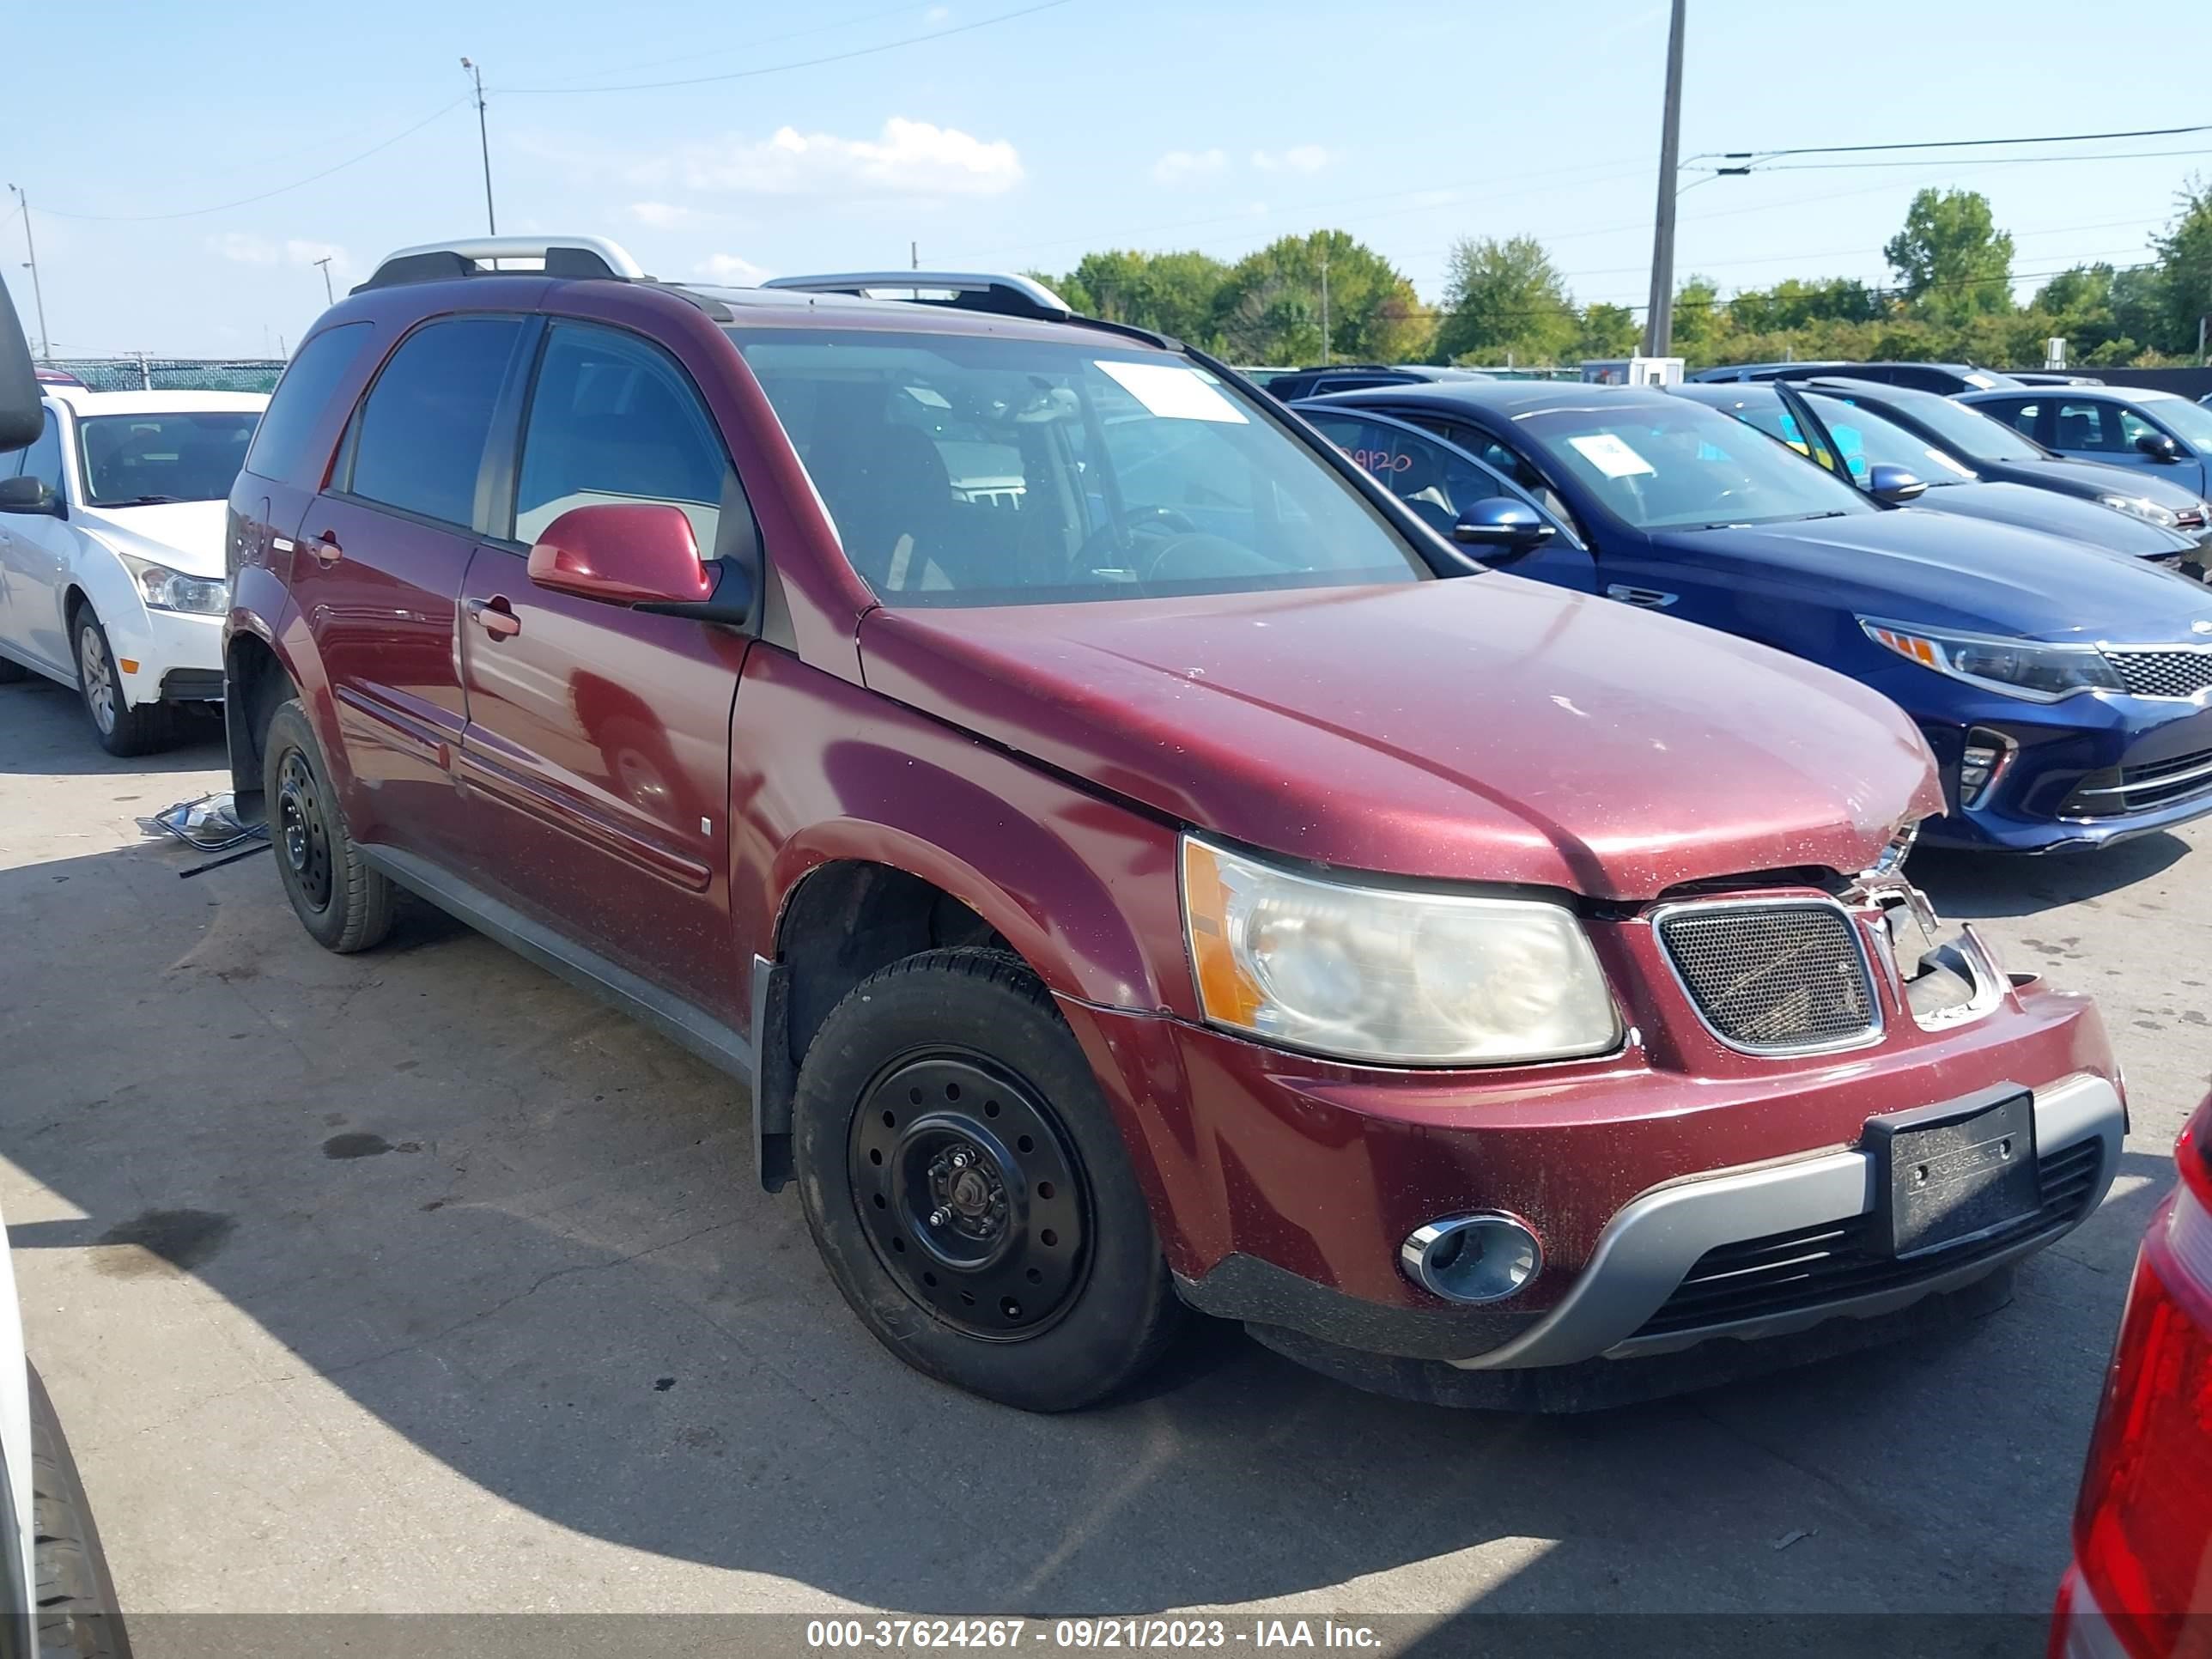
(43, 459)
(143, 460)
(421, 433)
(1867, 441)
(2088, 426)
(613, 420)
(2191, 422)
(965, 470)
(1433, 479)
(1675, 464)
(1970, 432)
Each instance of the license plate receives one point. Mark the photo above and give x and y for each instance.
(1948, 1175)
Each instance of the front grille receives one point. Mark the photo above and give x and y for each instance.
(2181, 671)
(2116, 792)
(1773, 977)
(1838, 1261)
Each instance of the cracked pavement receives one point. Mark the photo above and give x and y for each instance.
(417, 1281)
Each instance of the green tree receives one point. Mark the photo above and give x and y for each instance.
(1505, 298)
(1267, 308)
(1701, 321)
(1794, 303)
(1608, 331)
(1173, 293)
(1950, 259)
(2184, 269)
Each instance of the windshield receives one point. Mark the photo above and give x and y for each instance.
(2191, 422)
(969, 470)
(138, 460)
(1675, 465)
(1867, 441)
(1977, 436)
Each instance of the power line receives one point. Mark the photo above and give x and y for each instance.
(804, 62)
(1950, 143)
(1757, 171)
(247, 201)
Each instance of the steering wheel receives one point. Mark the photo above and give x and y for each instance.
(1148, 521)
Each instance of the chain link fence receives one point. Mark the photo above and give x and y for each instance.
(143, 373)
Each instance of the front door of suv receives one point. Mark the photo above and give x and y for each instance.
(597, 757)
(377, 568)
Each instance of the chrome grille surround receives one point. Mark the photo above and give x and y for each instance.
(2180, 672)
(1773, 975)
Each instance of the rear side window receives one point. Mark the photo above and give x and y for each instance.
(2020, 416)
(422, 430)
(280, 445)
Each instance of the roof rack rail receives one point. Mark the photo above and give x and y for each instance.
(1004, 295)
(573, 256)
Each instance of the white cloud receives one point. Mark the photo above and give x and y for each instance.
(1299, 158)
(240, 248)
(937, 15)
(730, 269)
(1182, 167)
(908, 158)
(663, 215)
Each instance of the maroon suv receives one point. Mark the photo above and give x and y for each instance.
(1127, 871)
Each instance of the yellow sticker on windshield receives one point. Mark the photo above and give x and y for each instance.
(1174, 392)
(1610, 456)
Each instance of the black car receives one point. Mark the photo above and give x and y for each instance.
(1732, 372)
(1996, 453)
(1945, 378)
(1358, 377)
(1894, 467)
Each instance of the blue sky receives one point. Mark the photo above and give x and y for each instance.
(1024, 141)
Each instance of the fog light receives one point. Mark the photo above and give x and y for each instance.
(1987, 755)
(1472, 1258)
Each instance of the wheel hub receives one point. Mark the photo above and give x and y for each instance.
(305, 834)
(970, 1194)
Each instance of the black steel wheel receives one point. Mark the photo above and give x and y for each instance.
(970, 1194)
(345, 905)
(969, 1190)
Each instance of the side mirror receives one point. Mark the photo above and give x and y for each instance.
(640, 554)
(29, 494)
(1894, 485)
(2158, 446)
(1501, 521)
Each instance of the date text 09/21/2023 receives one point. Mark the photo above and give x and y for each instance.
(896, 1634)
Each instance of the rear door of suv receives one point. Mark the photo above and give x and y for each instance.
(596, 756)
(377, 574)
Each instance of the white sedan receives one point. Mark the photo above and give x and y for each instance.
(112, 575)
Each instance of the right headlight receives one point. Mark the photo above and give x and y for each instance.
(2034, 669)
(1390, 975)
(2141, 507)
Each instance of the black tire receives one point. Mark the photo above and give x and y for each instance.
(77, 1614)
(123, 730)
(1048, 1290)
(345, 905)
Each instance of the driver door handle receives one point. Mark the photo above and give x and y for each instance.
(1645, 598)
(326, 550)
(495, 616)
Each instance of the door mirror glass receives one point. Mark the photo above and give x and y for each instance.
(626, 553)
(1894, 484)
(2158, 446)
(29, 494)
(1501, 521)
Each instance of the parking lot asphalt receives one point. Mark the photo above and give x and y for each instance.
(415, 1280)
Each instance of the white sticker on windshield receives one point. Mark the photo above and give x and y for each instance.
(1174, 392)
(1610, 456)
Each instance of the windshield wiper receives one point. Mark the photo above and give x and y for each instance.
(143, 500)
(1807, 518)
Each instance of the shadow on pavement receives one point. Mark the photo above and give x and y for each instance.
(524, 1234)
(1985, 886)
(54, 737)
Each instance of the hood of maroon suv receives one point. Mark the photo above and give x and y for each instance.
(1480, 729)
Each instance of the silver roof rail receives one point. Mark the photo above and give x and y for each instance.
(1004, 293)
(474, 256)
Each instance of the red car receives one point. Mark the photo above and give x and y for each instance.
(2141, 1584)
(1132, 861)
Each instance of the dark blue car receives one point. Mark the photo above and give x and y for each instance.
(2067, 693)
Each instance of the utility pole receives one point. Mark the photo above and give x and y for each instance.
(38, 294)
(483, 137)
(1659, 320)
(913, 254)
(1324, 306)
(325, 263)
